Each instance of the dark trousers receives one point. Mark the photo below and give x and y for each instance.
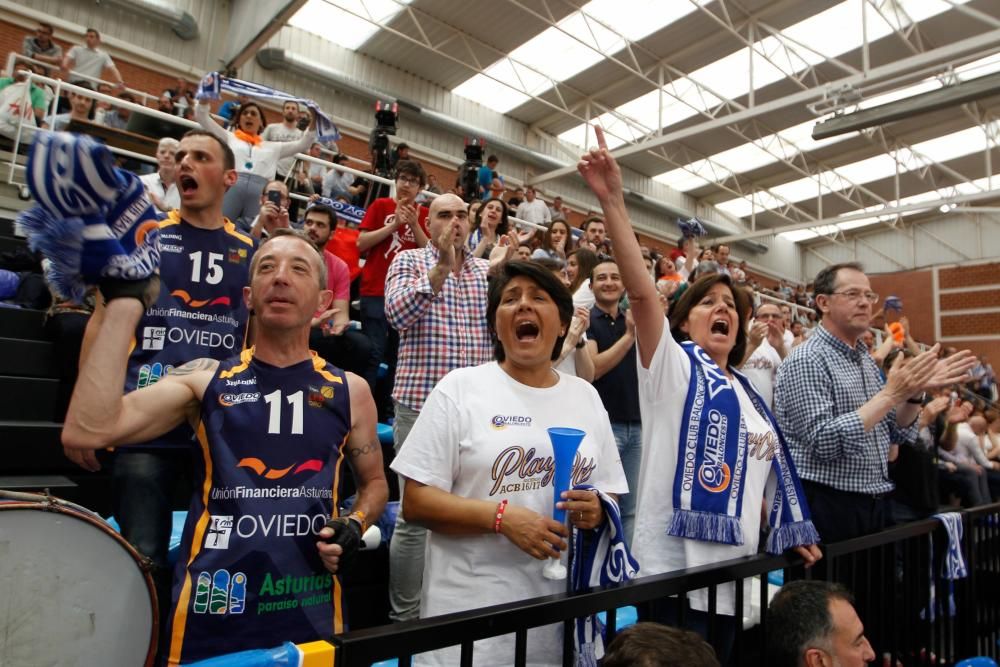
(351, 351)
(385, 346)
(841, 515)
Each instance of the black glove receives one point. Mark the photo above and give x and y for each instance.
(346, 533)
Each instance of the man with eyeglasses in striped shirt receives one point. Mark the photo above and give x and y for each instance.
(839, 416)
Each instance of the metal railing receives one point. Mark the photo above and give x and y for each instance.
(891, 573)
(13, 58)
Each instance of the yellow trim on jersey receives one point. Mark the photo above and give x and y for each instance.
(338, 609)
(232, 231)
(317, 654)
(319, 365)
(173, 218)
(180, 612)
(245, 357)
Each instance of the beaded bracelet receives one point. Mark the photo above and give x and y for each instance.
(501, 506)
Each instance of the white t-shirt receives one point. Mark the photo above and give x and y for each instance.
(481, 434)
(789, 339)
(762, 369)
(534, 211)
(662, 391)
(171, 197)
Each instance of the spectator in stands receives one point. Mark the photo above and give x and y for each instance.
(721, 253)
(41, 47)
(675, 530)
(81, 109)
(161, 185)
(435, 296)
(515, 200)
(666, 271)
(20, 101)
(556, 211)
(556, 242)
(204, 266)
(400, 153)
(489, 223)
(992, 443)
(466, 482)
(485, 177)
(593, 233)
(969, 454)
(984, 379)
(287, 131)
(580, 265)
(495, 190)
(655, 645)
(285, 289)
(611, 343)
(765, 350)
(88, 61)
(814, 624)
(181, 95)
(330, 334)
(117, 117)
(273, 214)
(533, 209)
(840, 416)
(390, 226)
(256, 159)
(338, 183)
(523, 251)
(936, 425)
(432, 184)
(165, 102)
(344, 244)
(787, 319)
(101, 106)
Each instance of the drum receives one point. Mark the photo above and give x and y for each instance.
(72, 591)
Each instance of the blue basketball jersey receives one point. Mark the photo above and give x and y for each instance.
(200, 310)
(271, 452)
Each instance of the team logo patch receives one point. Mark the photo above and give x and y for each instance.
(267, 472)
(199, 303)
(228, 400)
(219, 529)
(500, 422)
(220, 593)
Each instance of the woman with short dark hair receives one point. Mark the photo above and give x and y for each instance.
(478, 466)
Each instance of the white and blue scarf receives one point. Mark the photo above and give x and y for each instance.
(92, 220)
(709, 481)
(600, 557)
(346, 211)
(213, 83)
(952, 563)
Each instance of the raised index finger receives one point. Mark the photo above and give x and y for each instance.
(599, 133)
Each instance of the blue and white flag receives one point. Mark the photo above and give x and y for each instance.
(213, 84)
(349, 213)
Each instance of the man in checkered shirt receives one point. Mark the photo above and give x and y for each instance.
(839, 416)
(435, 297)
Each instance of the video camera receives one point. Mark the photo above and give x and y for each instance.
(386, 115)
(468, 173)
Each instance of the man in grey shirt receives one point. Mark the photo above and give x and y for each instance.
(90, 61)
(287, 130)
(41, 47)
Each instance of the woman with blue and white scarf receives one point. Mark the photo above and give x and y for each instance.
(711, 448)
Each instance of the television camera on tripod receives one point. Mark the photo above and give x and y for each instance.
(468, 172)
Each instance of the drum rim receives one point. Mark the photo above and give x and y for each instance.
(52, 504)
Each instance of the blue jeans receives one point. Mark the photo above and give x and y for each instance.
(241, 203)
(143, 487)
(385, 347)
(628, 437)
(406, 550)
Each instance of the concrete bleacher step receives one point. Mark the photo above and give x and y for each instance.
(29, 358)
(23, 323)
(28, 398)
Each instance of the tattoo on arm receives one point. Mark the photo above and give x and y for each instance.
(195, 366)
(355, 452)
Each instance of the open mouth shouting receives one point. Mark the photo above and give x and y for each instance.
(720, 325)
(187, 184)
(526, 331)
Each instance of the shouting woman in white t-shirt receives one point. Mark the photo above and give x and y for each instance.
(478, 467)
(710, 445)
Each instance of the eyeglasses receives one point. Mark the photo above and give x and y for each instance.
(858, 295)
(409, 180)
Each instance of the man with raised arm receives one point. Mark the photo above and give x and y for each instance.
(259, 553)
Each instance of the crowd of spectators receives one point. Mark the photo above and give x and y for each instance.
(865, 420)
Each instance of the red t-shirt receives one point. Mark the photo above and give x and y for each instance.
(344, 244)
(381, 213)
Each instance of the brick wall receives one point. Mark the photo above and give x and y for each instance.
(915, 289)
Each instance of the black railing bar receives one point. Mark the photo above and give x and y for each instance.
(466, 656)
(894, 534)
(521, 647)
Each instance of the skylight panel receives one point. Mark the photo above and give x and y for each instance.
(317, 17)
(682, 180)
(574, 44)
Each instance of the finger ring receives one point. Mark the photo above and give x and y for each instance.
(579, 515)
